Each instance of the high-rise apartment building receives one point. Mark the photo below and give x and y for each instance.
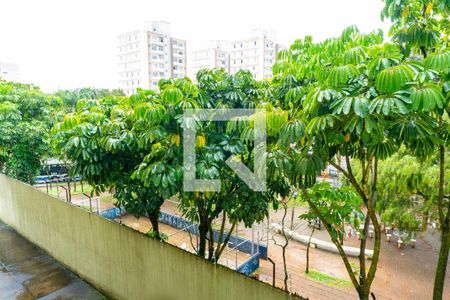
(217, 56)
(9, 72)
(256, 54)
(149, 54)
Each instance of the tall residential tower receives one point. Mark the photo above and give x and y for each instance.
(217, 56)
(257, 54)
(149, 54)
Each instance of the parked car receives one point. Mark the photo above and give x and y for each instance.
(41, 179)
(59, 177)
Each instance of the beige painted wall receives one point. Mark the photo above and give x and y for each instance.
(117, 260)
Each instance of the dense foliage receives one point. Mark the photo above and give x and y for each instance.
(133, 145)
(26, 116)
(359, 99)
(71, 97)
(421, 29)
(377, 111)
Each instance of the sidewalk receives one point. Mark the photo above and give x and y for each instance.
(26, 272)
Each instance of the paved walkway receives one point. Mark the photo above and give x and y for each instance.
(26, 272)
(405, 273)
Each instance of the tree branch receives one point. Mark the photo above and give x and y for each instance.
(352, 181)
(335, 242)
(372, 214)
(225, 242)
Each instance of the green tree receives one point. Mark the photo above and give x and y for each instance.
(421, 28)
(26, 115)
(349, 91)
(220, 90)
(108, 139)
(216, 141)
(408, 190)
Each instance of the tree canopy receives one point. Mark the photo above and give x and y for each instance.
(26, 116)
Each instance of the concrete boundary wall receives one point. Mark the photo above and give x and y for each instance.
(247, 268)
(117, 260)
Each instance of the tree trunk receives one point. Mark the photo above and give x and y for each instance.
(68, 189)
(439, 280)
(292, 217)
(154, 220)
(225, 243)
(424, 224)
(363, 295)
(376, 225)
(211, 243)
(307, 251)
(220, 239)
(286, 243)
(203, 235)
(286, 274)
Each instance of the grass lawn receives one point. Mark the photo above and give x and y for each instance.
(57, 189)
(327, 279)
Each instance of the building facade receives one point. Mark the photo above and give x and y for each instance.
(9, 72)
(257, 54)
(149, 54)
(217, 56)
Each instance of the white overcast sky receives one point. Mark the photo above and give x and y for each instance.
(72, 43)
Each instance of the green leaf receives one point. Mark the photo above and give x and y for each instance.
(171, 94)
(390, 103)
(339, 76)
(344, 106)
(355, 56)
(427, 98)
(439, 61)
(291, 132)
(394, 78)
